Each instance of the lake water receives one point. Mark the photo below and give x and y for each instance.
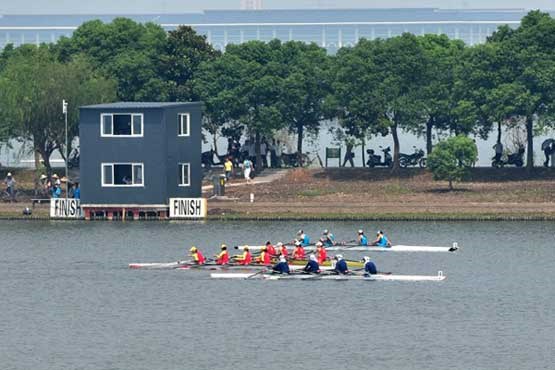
(68, 300)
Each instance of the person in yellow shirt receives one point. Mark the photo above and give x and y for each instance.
(228, 168)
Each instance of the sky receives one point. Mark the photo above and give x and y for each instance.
(180, 6)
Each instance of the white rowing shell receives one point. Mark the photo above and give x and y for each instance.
(394, 248)
(379, 277)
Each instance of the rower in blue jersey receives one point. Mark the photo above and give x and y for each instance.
(369, 266)
(312, 267)
(328, 239)
(303, 238)
(340, 265)
(282, 267)
(381, 240)
(362, 239)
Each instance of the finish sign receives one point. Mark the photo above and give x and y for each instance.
(188, 207)
(65, 208)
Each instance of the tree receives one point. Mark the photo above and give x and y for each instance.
(32, 87)
(451, 159)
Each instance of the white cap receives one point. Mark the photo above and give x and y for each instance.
(312, 257)
(326, 232)
(360, 231)
(282, 259)
(366, 258)
(279, 244)
(300, 232)
(338, 257)
(9, 174)
(319, 244)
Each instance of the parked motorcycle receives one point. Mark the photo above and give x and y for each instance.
(376, 160)
(414, 159)
(515, 159)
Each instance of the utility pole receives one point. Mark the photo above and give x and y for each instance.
(64, 110)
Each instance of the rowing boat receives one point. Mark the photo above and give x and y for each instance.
(378, 277)
(357, 248)
(185, 265)
(327, 264)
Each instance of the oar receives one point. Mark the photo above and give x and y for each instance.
(256, 274)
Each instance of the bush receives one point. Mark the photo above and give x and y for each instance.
(451, 159)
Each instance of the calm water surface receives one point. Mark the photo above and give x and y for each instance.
(68, 301)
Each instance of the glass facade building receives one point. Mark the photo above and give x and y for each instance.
(330, 28)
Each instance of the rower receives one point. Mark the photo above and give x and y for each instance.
(245, 258)
(282, 250)
(312, 267)
(298, 253)
(264, 257)
(321, 254)
(381, 240)
(198, 258)
(328, 239)
(303, 238)
(340, 265)
(362, 239)
(270, 249)
(223, 257)
(369, 267)
(281, 267)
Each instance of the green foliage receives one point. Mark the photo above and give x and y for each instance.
(451, 159)
(32, 87)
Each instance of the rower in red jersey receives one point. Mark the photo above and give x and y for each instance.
(298, 253)
(245, 258)
(223, 257)
(321, 254)
(282, 250)
(270, 249)
(264, 257)
(198, 258)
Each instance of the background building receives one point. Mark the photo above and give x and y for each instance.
(135, 156)
(330, 28)
(251, 4)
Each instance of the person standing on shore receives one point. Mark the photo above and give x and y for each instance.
(10, 183)
(247, 168)
(76, 191)
(228, 168)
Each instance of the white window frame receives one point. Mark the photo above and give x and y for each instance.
(102, 115)
(132, 185)
(182, 167)
(180, 117)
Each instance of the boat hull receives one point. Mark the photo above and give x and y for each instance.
(379, 277)
(356, 248)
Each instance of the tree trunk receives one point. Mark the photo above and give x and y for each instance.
(300, 131)
(46, 161)
(363, 153)
(530, 141)
(37, 170)
(396, 150)
(450, 185)
(215, 143)
(258, 166)
(429, 126)
(499, 131)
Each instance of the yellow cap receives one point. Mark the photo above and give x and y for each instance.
(193, 249)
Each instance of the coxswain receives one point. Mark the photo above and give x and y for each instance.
(223, 257)
(321, 254)
(328, 239)
(369, 267)
(362, 239)
(198, 258)
(298, 253)
(312, 267)
(264, 257)
(282, 250)
(281, 267)
(245, 258)
(381, 240)
(303, 238)
(340, 265)
(270, 249)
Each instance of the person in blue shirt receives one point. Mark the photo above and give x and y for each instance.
(56, 191)
(76, 191)
(328, 239)
(362, 239)
(303, 238)
(340, 265)
(312, 267)
(381, 240)
(369, 267)
(282, 267)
